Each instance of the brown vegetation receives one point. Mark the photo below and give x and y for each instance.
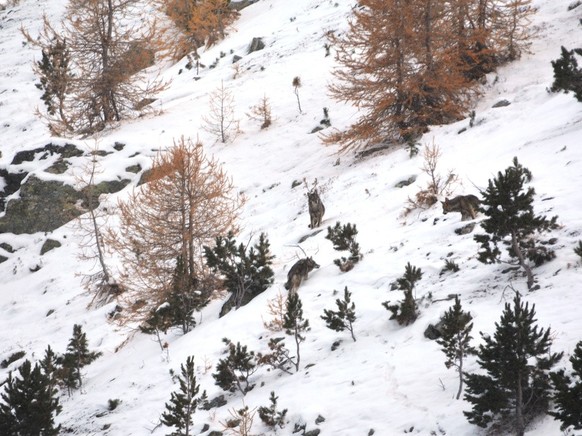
(187, 202)
(220, 120)
(411, 64)
(93, 67)
(197, 23)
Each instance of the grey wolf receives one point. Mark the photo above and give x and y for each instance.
(298, 273)
(467, 205)
(316, 208)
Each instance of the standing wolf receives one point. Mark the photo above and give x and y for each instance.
(298, 273)
(316, 208)
(467, 205)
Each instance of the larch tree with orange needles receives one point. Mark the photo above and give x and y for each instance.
(187, 202)
(109, 43)
(411, 64)
(397, 64)
(198, 23)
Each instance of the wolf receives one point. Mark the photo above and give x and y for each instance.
(298, 273)
(467, 205)
(316, 208)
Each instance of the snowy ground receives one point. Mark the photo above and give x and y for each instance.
(392, 379)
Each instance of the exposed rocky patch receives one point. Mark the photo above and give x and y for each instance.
(12, 183)
(49, 244)
(44, 206)
(65, 151)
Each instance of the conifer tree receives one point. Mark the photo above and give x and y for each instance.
(402, 79)
(512, 21)
(295, 325)
(567, 74)
(568, 396)
(186, 297)
(271, 416)
(517, 362)
(90, 225)
(233, 372)
(108, 52)
(158, 321)
(510, 221)
(198, 23)
(29, 404)
(406, 311)
(50, 367)
(246, 273)
(344, 317)
(184, 402)
(56, 78)
(220, 120)
(343, 238)
(76, 357)
(187, 202)
(455, 339)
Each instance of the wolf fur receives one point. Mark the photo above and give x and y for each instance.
(298, 273)
(467, 205)
(316, 208)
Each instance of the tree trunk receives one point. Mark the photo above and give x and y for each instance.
(521, 258)
(460, 367)
(297, 341)
(519, 422)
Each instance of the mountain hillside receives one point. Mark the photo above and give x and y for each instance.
(392, 380)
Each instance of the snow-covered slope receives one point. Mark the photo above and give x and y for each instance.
(393, 379)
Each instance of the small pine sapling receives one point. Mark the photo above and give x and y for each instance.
(113, 403)
(325, 121)
(76, 357)
(295, 325)
(157, 323)
(246, 273)
(406, 311)
(29, 403)
(186, 297)
(343, 239)
(568, 393)
(450, 265)
(511, 222)
(412, 147)
(455, 339)
(50, 366)
(567, 75)
(344, 317)
(234, 371)
(271, 416)
(184, 402)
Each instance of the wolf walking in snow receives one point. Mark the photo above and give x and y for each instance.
(316, 208)
(298, 273)
(467, 205)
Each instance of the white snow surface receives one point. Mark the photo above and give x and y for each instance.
(392, 380)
